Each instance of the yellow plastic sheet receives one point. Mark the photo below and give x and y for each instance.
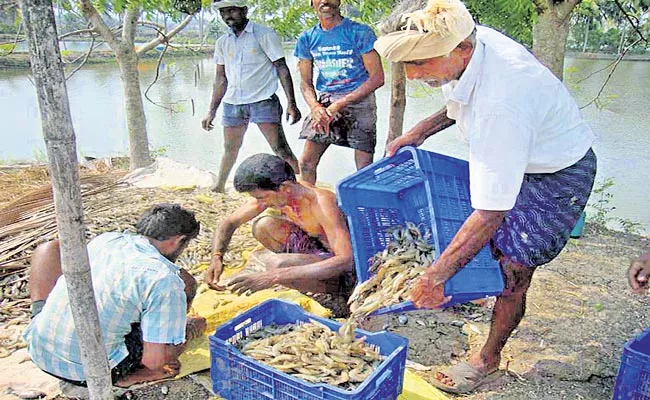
(219, 307)
(416, 388)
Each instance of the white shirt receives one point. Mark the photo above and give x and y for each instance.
(248, 61)
(517, 118)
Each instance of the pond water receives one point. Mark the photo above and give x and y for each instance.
(95, 94)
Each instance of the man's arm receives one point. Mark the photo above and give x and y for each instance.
(218, 91)
(468, 241)
(160, 360)
(293, 113)
(319, 118)
(421, 131)
(223, 234)
(372, 63)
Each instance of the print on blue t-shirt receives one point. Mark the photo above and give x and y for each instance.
(336, 54)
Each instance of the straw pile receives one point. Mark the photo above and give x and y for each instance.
(109, 205)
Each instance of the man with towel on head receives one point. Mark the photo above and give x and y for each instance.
(530, 160)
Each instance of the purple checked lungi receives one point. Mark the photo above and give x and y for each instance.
(548, 206)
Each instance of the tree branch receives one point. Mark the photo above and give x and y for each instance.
(91, 14)
(155, 79)
(130, 23)
(595, 72)
(151, 24)
(629, 19)
(90, 31)
(611, 73)
(82, 63)
(165, 37)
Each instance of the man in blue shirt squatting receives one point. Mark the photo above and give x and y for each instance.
(348, 72)
(249, 61)
(531, 166)
(142, 300)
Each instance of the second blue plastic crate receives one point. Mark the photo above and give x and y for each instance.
(424, 188)
(633, 380)
(239, 377)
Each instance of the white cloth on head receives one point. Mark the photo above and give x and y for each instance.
(218, 4)
(441, 26)
(517, 118)
(248, 61)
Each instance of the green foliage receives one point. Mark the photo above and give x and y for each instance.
(7, 48)
(601, 209)
(156, 152)
(287, 17)
(513, 17)
(599, 25)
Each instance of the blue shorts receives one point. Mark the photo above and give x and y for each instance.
(548, 206)
(265, 111)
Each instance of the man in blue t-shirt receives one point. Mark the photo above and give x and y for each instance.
(348, 72)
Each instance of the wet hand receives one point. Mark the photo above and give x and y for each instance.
(213, 274)
(206, 123)
(242, 283)
(320, 119)
(429, 291)
(333, 110)
(293, 114)
(638, 274)
(408, 139)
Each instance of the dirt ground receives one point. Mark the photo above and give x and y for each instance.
(568, 346)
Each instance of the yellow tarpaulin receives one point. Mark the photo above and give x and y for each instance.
(219, 307)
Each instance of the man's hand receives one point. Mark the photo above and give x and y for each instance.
(320, 119)
(639, 274)
(429, 290)
(195, 327)
(242, 283)
(407, 139)
(206, 123)
(333, 109)
(293, 114)
(213, 274)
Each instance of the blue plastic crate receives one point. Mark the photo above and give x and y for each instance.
(633, 380)
(239, 377)
(424, 188)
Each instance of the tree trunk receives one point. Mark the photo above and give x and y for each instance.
(127, 59)
(397, 101)
(584, 44)
(549, 38)
(623, 38)
(62, 154)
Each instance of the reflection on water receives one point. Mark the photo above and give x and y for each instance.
(95, 94)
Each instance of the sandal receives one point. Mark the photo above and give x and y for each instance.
(465, 378)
